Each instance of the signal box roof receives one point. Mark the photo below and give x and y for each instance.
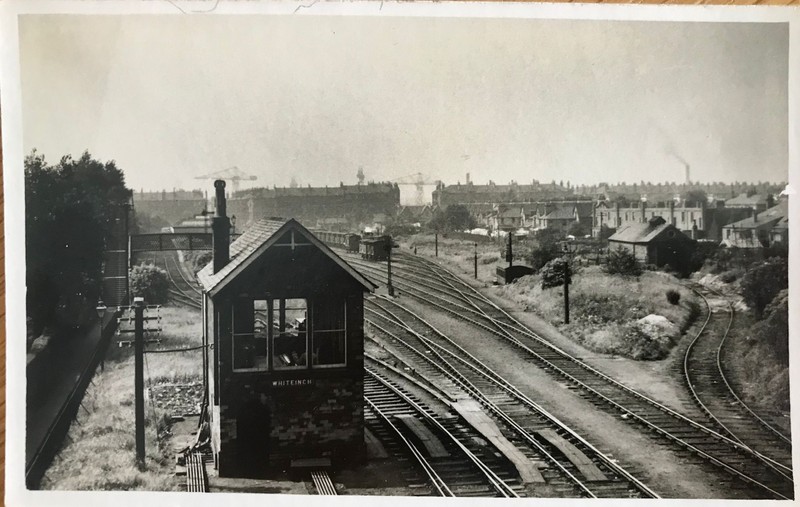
(255, 241)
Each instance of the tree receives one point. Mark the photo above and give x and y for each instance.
(456, 217)
(696, 196)
(762, 283)
(68, 216)
(773, 330)
(151, 283)
(622, 262)
(545, 250)
(554, 272)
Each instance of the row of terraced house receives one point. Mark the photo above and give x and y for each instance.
(742, 221)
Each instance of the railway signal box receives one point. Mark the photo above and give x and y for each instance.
(284, 319)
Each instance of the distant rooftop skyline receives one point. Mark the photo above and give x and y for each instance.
(317, 98)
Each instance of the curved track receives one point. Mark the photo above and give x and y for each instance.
(182, 291)
(706, 380)
(446, 291)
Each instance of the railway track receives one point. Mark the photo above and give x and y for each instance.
(182, 291)
(709, 386)
(196, 477)
(455, 465)
(323, 483)
(452, 370)
(447, 292)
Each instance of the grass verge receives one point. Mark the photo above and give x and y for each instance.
(99, 451)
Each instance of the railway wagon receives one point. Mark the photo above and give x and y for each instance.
(346, 240)
(375, 248)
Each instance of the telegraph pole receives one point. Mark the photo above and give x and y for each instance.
(389, 245)
(138, 381)
(566, 293)
(567, 276)
(475, 261)
(436, 243)
(510, 253)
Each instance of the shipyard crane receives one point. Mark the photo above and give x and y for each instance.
(419, 180)
(232, 174)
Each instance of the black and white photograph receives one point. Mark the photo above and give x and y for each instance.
(398, 250)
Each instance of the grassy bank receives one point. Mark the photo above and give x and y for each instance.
(99, 452)
(603, 309)
(756, 356)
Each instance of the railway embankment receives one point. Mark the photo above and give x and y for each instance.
(98, 453)
(625, 316)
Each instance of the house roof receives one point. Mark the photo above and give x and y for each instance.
(255, 241)
(743, 200)
(584, 208)
(562, 213)
(765, 219)
(643, 232)
(509, 213)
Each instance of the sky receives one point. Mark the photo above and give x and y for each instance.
(314, 98)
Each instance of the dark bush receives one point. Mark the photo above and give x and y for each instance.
(728, 276)
(151, 283)
(763, 282)
(673, 296)
(542, 254)
(622, 262)
(200, 259)
(773, 331)
(554, 272)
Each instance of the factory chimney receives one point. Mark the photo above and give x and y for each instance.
(688, 178)
(220, 230)
(468, 182)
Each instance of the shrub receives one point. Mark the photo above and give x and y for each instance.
(622, 262)
(773, 331)
(554, 272)
(637, 345)
(543, 254)
(200, 260)
(728, 276)
(673, 296)
(151, 283)
(762, 283)
(694, 313)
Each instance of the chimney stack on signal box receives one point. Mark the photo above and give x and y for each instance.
(220, 229)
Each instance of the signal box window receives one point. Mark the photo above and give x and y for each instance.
(289, 334)
(250, 330)
(329, 334)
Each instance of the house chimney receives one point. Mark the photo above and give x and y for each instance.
(671, 205)
(220, 229)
